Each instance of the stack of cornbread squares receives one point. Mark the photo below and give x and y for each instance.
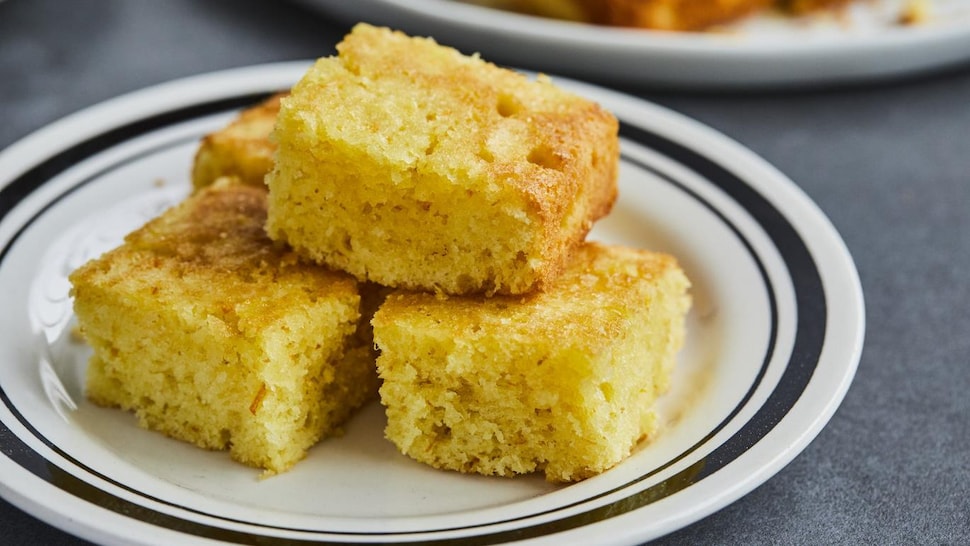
(451, 196)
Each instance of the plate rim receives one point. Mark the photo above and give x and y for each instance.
(201, 88)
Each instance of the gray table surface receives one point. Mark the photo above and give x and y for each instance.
(889, 163)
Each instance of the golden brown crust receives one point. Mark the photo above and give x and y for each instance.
(611, 272)
(220, 228)
(241, 149)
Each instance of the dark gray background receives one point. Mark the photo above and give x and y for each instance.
(889, 163)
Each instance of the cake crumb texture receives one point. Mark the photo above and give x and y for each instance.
(408, 164)
(213, 334)
(560, 381)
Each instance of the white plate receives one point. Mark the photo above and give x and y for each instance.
(774, 339)
(864, 43)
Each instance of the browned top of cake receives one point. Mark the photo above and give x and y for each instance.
(222, 229)
(241, 149)
(214, 245)
(617, 279)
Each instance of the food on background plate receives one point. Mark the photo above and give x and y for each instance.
(408, 164)
(801, 7)
(560, 381)
(668, 14)
(675, 15)
(214, 335)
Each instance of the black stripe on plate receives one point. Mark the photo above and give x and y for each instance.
(763, 421)
(811, 305)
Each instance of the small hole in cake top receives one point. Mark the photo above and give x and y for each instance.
(546, 157)
(607, 390)
(508, 106)
(432, 146)
(485, 154)
(347, 244)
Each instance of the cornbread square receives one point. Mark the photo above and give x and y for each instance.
(560, 381)
(214, 335)
(410, 165)
(241, 149)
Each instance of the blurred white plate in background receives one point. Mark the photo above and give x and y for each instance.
(863, 43)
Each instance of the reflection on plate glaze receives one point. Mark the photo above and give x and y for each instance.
(51, 382)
